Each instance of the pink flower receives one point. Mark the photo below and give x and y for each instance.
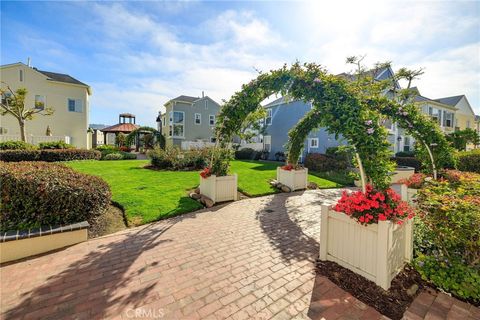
(370, 130)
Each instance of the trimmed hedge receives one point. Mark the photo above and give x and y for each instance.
(16, 145)
(49, 155)
(113, 156)
(55, 145)
(247, 154)
(39, 193)
(173, 158)
(322, 162)
(409, 162)
(469, 161)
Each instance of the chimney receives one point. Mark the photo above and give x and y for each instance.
(203, 94)
(29, 62)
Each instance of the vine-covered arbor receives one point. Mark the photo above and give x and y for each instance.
(343, 107)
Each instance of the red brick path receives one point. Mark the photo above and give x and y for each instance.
(252, 259)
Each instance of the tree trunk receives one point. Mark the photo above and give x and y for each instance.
(23, 132)
(363, 178)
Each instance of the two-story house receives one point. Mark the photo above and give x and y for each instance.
(189, 121)
(68, 97)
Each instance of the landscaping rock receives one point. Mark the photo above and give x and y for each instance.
(195, 196)
(197, 190)
(274, 183)
(207, 201)
(312, 185)
(412, 290)
(284, 188)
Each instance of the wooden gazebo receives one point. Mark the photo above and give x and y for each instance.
(126, 124)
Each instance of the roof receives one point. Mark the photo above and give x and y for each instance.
(280, 100)
(121, 127)
(452, 101)
(95, 126)
(184, 98)
(420, 98)
(61, 77)
(127, 115)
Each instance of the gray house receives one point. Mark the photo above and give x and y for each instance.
(284, 115)
(189, 121)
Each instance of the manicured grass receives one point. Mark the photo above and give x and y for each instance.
(146, 195)
(253, 177)
(149, 195)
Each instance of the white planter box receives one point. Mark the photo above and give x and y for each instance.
(294, 179)
(377, 252)
(219, 188)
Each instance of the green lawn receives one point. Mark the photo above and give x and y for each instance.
(253, 177)
(148, 195)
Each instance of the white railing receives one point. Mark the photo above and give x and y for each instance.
(257, 146)
(190, 145)
(377, 252)
(34, 139)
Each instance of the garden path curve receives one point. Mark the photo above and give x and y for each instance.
(251, 259)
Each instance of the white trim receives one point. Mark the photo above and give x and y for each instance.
(199, 118)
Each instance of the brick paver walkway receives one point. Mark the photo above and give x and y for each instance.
(252, 259)
(431, 305)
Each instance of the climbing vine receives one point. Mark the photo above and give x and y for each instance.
(159, 139)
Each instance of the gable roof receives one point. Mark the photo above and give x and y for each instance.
(53, 76)
(452, 101)
(60, 77)
(184, 98)
(121, 127)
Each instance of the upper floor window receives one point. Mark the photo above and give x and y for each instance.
(468, 123)
(198, 118)
(6, 96)
(268, 119)
(163, 120)
(75, 105)
(211, 119)
(20, 75)
(448, 119)
(40, 102)
(177, 127)
(313, 143)
(434, 114)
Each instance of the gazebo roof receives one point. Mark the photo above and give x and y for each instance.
(121, 127)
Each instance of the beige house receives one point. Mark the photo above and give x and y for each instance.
(189, 122)
(66, 95)
(464, 115)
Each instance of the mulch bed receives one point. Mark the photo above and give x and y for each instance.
(391, 303)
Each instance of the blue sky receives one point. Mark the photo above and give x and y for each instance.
(138, 55)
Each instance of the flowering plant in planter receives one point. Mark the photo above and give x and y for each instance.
(218, 164)
(416, 181)
(290, 167)
(373, 206)
(205, 173)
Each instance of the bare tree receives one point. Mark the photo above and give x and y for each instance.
(13, 103)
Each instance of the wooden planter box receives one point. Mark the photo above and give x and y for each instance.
(294, 179)
(377, 252)
(219, 188)
(16, 245)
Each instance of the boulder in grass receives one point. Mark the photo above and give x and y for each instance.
(286, 189)
(195, 196)
(207, 201)
(197, 190)
(312, 185)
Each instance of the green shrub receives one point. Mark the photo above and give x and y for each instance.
(16, 145)
(322, 162)
(469, 161)
(128, 156)
(49, 155)
(173, 158)
(447, 233)
(114, 156)
(55, 145)
(247, 154)
(408, 161)
(107, 147)
(403, 154)
(38, 193)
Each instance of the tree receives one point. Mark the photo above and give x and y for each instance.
(459, 139)
(253, 125)
(13, 103)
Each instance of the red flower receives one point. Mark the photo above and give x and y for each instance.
(205, 173)
(288, 167)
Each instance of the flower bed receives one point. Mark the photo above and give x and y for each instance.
(295, 179)
(369, 233)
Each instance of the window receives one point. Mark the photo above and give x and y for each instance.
(213, 139)
(268, 119)
(313, 143)
(448, 119)
(75, 105)
(21, 75)
(6, 97)
(434, 114)
(406, 144)
(267, 143)
(177, 120)
(163, 120)
(468, 123)
(40, 102)
(387, 123)
(211, 119)
(198, 118)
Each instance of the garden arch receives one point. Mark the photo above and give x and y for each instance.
(337, 105)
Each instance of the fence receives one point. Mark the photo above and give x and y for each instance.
(34, 139)
(377, 252)
(189, 145)
(258, 146)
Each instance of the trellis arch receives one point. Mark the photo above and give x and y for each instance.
(343, 109)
